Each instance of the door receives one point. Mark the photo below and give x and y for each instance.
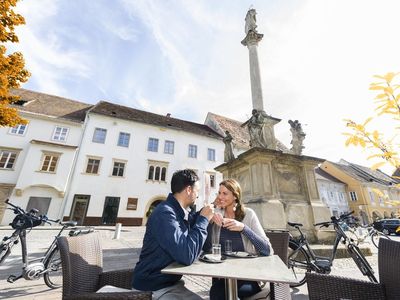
(79, 208)
(110, 211)
(40, 203)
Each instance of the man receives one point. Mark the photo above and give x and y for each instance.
(172, 234)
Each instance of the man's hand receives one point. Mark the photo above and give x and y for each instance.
(207, 211)
(232, 225)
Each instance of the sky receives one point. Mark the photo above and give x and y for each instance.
(317, 59)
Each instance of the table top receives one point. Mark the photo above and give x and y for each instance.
(262, 268)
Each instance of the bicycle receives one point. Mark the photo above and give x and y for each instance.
(49, 265)
(302, 258)
(359, 234)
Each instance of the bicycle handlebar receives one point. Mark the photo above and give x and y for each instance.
(334, 220)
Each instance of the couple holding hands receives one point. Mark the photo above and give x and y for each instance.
(174, 233)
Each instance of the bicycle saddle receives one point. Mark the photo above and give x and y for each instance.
(294, 224)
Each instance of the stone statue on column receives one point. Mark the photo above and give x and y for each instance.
(250, 21)
(228, 152)
(298, 137)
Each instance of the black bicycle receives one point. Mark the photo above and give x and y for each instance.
(302, 258)
(49, 265)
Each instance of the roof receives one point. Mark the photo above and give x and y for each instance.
(365, 174)
(49, 105)
(241, 137)
(325, 175)
(131, 114)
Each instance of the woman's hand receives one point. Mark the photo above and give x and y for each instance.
(217, 218)
(232, 225)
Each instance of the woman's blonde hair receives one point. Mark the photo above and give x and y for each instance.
(234, 186)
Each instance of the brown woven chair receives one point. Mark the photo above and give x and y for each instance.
(327, 287)
(280, 243)
(82, 268)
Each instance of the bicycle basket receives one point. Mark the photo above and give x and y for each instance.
(24, 222)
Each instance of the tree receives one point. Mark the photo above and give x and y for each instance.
(384, 149)
(388, 103)
(12, 66)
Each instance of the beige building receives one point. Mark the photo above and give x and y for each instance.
(372, 193)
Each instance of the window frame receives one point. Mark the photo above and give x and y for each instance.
(126, 139)
(95, 136)
(17, 129)
(157, 171)
(7, 161)
(152, 144)
(92, 166)
(210, 154)
(192, 151)
(60, 135)
(118, 161)
(353, 196)
(52, 155)
(167, 149)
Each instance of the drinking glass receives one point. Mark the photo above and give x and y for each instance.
(216, 252)
(228, 246)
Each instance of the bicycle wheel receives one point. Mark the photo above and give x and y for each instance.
(4, 252)
(376, 236)
(53, 275)
(353, 236)
(361, 262)
(298, 262)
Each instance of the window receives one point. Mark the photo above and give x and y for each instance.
(118, 169)
(60, 134)
(353, 196)
(169, 147)
(212, 181)
(157, 171)
(211, 154)
(18, 130)
(152, 145)
(193, 151)
(49, 163)
(93, 165)
(123, 139)
(7, 159)
(99, 135)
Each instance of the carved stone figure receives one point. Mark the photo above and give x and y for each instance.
(255, 126)
(298, 137)
(228, 152)
(250, 21)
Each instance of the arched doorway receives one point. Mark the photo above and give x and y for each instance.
(364, 218)
(152, 207)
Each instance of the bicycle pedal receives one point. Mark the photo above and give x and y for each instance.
(12, 278)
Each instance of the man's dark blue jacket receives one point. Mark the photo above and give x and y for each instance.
(168, 238)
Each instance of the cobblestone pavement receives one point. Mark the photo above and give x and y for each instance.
(118, 254)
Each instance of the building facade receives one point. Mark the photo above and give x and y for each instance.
(332, 192)
(372, 194)
(100, 164)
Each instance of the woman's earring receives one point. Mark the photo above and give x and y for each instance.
(234, 208)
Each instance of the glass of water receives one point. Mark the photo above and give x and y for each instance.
(216, 252)
(228, 247)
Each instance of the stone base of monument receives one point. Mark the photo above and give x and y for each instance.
(280, 187)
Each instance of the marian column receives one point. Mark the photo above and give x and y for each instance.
(260, 125)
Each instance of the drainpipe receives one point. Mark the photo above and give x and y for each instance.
(61, 213)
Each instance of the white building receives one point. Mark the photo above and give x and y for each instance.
(332, 192)
(127, 158)
(36, 160)
(113, 167)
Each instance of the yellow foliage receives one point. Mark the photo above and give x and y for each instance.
(12, 66)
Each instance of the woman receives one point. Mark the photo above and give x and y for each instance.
(242, 227)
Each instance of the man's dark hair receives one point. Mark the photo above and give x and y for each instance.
(183, 178)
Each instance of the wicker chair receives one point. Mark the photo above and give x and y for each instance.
(280, 243)
(82, 268)
(327, 287)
